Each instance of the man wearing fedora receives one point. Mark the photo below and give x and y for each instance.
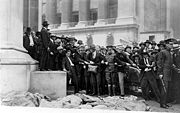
(148, 80)
(45, 36)
(95, 59)
(176, 78)
(164, 71)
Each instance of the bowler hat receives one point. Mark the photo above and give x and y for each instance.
(173, 40)
(80, 42)
(127, 47)
(136, 55)
(161, 43)
(45, 23)
(153, 43)
(145, 53)
(147, 41)
(72, 39)
(135, 47)
(142, 43)
(28, 29)
(154, 52)
(92, 46)
(110, 46)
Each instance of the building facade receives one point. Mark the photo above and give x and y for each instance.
(126, 20)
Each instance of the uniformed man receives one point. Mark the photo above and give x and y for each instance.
(110, 70)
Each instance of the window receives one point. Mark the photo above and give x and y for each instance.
(93, 15)
(151, 38)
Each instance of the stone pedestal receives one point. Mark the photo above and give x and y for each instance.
(50, 83)
(15, 63)
(126, 12)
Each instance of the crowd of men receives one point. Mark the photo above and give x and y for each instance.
(114, 70)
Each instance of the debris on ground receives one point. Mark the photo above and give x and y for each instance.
(83, 101)
(78, 101)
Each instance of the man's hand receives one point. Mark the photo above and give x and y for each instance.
(91, 62)
(160, 76)
(106, 63)
(51, 53)
(48, 49)
(86, 62)
(102, 61)
(178, 70)
(128, 64)
(134, 65)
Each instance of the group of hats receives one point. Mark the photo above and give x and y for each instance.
(149, 42)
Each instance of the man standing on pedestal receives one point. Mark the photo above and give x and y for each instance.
(45, 46)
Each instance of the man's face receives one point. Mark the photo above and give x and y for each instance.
(153, 45)
(68, 53)
(161, 47)
(145, 56)
(169, 45)
(119, 50)
(135, 49)
(109, 50)
(142, 46)
(92, 50)
(147, 44)
(136, 58)
(81, 50)
(128, 50)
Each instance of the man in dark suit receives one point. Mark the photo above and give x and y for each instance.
(28, 42)
(45, 37)
(95, 59)
(69, 66)
(80, 65)
(164, 71)
(148, 79)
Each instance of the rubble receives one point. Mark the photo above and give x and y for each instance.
(77, 101)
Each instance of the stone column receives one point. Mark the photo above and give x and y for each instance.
(15, 63)
(103, 6)
(84, 8)
(126, 12)
(66, 14)
(140, 14)
(40, 8)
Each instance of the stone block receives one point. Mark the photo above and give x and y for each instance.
(15, 68)
(49, 83)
